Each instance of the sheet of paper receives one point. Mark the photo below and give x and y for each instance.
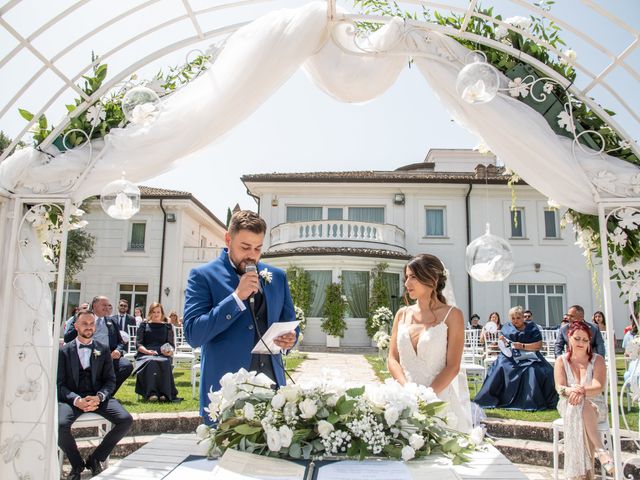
(193, 468)
(235, 465)
(365, 470)
(275, 330)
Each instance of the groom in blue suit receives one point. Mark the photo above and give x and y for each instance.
(227, 307)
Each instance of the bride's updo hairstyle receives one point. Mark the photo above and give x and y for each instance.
(429, 271)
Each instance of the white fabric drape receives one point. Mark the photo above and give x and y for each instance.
(261, 56)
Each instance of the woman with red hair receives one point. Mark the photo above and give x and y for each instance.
(579, 377)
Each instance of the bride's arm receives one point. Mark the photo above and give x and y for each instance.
(393, 361)
(455, 346)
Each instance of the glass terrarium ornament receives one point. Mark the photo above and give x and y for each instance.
(140, 105)
(478, 81)
(120, 199)
(489, 258)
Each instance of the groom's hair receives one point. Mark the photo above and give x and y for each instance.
(247, 220)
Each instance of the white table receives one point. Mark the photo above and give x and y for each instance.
(161, 458)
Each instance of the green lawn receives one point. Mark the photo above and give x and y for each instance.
(380, 367)
(127, 396)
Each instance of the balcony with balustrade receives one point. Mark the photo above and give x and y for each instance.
(337, 233)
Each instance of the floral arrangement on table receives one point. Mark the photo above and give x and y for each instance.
(327, 419)
(578, 121)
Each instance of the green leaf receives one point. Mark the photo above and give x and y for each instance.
(245, 429)
(42, 122)
(346, 407)
(333, 418)
(355, 392)
(28, 116)
(295, 451)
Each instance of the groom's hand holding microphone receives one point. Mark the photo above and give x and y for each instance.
(249, 282)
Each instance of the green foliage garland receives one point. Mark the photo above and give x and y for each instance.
(333, 322)
(301, 287)
(379, 295)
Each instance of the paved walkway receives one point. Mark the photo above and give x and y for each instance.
(353, 367)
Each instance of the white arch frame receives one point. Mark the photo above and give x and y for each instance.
(14, 211)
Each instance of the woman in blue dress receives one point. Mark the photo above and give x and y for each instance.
(521, 379)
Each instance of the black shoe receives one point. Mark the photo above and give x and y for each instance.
(94, 465)
(75, 473)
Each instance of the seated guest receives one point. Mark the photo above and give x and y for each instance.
(475, 322)
(86, 381)
(521, 379)
(576, 314)
(137, 313)
(123, 319)
(107, 333)
(155, 348)
(580, 376)
(68, 325)
(492, 325)
(632, 354)
(174, 320)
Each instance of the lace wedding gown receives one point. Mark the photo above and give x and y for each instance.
(422, 364)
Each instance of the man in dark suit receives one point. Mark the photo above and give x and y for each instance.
(221, 300)
(576, 314)
(86, 381)
(108, 333)
(123, 319)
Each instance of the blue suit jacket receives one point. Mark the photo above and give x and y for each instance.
(214, 321)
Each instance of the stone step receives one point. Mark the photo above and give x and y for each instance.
(536, 452)
(540, 431)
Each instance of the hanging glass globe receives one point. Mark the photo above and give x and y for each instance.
(120, 199)
(477, 82)
(140, 105)
(489, 258)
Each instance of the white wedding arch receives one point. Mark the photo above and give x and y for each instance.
(257, 57)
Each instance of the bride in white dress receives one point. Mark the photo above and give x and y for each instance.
(427, 340)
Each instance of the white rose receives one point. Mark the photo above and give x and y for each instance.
(332, 400)
(204, 446)
(202, 431)
(278, 401)
(416, 441)
(408, 453)
(249, 411)
(391, 415)
(477, 435)
(324, 428)
(290, 393)
(308, 408)
(286, 435)
(273, 440)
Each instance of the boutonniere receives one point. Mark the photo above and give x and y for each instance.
(266, 275)
(96, 353)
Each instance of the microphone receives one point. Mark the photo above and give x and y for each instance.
(251, 267)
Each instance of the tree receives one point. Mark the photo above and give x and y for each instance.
(301, 287)
(5, 141)
(80, 247)
(379, 295)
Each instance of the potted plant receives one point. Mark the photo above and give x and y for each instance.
(333, 323)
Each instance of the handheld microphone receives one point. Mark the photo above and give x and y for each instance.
(251, 267)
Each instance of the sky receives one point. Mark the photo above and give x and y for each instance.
(300, 128)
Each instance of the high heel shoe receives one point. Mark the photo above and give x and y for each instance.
(606, 461)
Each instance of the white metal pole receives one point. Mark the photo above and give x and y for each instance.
(611, 363)
(53, 404)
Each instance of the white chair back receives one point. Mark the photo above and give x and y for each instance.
(133, 332)
(549, 338)
(472, 352)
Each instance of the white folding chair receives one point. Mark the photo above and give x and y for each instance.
(548, 345)
(195, 377)
(132, 347)
(89, 420)
(558, 426)
(491, 349)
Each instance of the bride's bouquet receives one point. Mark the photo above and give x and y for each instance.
(327, 419)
